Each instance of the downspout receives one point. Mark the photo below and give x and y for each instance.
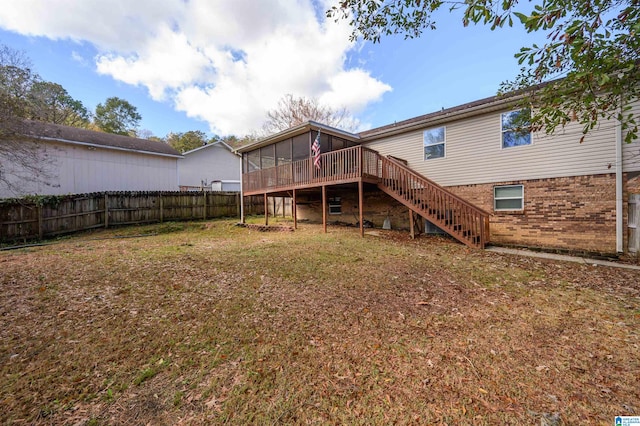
(619, 192)
(241, 191)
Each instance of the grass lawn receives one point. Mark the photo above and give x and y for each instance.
(209, 323)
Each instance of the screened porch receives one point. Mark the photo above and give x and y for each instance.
(289, 164)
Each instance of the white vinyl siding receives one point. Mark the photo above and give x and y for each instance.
(474, 153)
(208, 164)
(631, 151)
(508, 197)
(73, 169)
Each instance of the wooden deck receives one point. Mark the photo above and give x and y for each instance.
(459, 218)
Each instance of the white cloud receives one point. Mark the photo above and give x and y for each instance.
(79, 58)
(117, 25)
(353, 89)
(167, 61)
(226, 62)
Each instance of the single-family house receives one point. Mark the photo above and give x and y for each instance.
(214, 167)
(56, 159)
(467, 171)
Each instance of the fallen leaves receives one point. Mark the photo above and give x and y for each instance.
(291, 329)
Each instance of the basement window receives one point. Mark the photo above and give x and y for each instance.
(508, 197)
(335, 205)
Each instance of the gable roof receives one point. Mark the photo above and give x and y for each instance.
(209, 145)
(77, 136)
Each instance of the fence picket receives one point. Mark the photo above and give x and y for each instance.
(20, 220)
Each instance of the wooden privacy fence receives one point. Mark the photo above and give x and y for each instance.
(55, 215)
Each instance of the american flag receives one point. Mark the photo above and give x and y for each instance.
(315, 149)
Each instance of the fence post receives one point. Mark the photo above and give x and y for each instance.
(204, 215)
(106, 210)
(161, 207)
(40, 223)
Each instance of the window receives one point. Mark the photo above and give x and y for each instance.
(253, 160)
(515, 128)
(283, 152)
(267, 157)
(508, 197)
(336, 143)
(301, 147)
(433, 143)
(335, 205)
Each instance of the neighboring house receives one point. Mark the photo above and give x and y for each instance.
(74, 161)
(214, 166)
(466, 171)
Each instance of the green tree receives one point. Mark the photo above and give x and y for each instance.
(187, 141)
(51, 103)
(587, 70)
(117, 116)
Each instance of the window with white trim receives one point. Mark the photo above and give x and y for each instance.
(515, 128)
(335, 205)
(508, 197)
(434, 141)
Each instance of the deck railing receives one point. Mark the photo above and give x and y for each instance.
(345, 165)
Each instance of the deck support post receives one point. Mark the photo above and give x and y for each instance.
(266, 210)
(412, 225)
(294, 211)
(360, 207)
(324, 208)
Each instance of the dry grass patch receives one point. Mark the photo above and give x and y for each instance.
(205, 323)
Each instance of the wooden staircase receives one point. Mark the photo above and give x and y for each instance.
(459, 218)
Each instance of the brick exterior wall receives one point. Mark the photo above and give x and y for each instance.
(632, 183)
(576, 214)
(569, 213)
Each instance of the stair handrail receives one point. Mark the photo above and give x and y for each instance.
(430, 182)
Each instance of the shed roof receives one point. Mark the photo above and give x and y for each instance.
(298, 130)
(74, 135)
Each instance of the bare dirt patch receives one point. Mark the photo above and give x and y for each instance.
(208, 323)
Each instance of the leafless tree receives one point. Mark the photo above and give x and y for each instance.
(292, 111)
(21, 159)
(23, 163)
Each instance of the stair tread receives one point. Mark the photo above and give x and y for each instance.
(447, 219)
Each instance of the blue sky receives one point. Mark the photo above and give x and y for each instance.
(219, 66)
